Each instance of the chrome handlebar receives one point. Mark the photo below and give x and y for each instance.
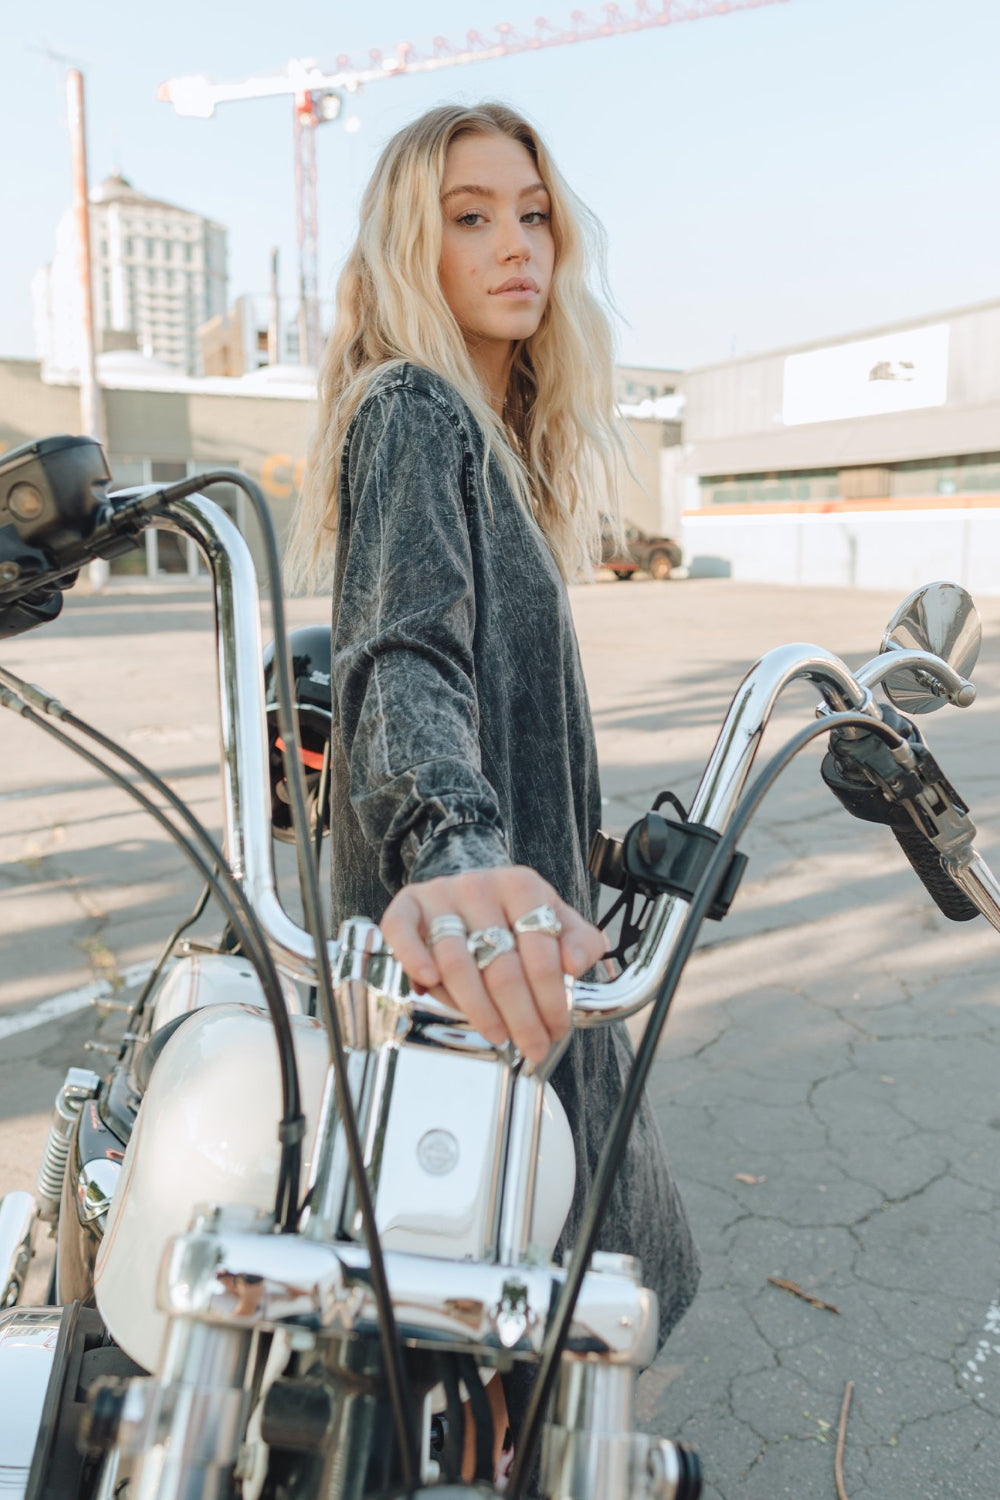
(246, 810)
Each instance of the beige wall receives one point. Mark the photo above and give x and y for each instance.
(29, 409)
(265, 436)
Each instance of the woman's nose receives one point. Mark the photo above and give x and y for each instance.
(515, 244)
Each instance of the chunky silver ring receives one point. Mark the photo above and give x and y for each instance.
(539, 919)
(487, 943)
(448, 925)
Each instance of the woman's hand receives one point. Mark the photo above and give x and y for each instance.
(519, 995)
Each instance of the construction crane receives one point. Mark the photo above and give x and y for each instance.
(316, 99)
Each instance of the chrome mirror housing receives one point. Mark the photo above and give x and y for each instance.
(937, 617)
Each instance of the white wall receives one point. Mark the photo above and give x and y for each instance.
(899, 549)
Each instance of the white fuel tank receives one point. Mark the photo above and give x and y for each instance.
(207, 1132)
(198, 979)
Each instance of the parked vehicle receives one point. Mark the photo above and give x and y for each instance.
(219, 1327)
(656, 555)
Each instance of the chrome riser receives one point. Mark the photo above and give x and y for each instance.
(455, 1153)
(18, 1212)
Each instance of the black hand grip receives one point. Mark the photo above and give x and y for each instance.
(927, 863)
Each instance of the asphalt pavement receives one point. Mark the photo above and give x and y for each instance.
(828, 1084)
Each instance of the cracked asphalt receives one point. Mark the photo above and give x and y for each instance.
(829, 1080)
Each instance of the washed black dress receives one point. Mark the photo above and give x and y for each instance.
(462, 738)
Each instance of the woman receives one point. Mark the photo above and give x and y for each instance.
(465, 451)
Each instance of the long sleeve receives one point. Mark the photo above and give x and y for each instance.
(403, 670)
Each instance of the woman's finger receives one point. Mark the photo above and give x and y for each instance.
(527, 895)
(518, 1006)
(581, 943)
(463, 982)
(502, 975)
(403, 928)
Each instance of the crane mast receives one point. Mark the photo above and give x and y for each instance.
(315, 98)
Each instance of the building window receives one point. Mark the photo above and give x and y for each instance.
(168, 249)
(150, 247)
(768, 489)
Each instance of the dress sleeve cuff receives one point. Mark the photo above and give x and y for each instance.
(455, 845)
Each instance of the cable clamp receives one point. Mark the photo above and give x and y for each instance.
(664, 856)
(291, 1132)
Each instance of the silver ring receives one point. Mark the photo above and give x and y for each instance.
(448, 925)
(539, 919)
(487, 943)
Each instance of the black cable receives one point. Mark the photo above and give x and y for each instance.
(323, 815)
(455, 1417)
(400, 1397)
(243, 919)
(625, 1111)
(139, 1005)
(482, 1416)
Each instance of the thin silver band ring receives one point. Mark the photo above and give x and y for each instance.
(448, 925)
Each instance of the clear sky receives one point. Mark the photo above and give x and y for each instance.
(767, 177)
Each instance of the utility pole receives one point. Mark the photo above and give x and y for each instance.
(90, 394)
(274, 318)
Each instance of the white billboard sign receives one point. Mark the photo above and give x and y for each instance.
(893, 372)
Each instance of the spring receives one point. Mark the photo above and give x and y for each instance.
(80, 1084)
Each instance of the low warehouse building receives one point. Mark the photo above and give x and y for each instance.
(872, 461)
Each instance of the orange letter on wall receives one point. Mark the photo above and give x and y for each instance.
(277, 487)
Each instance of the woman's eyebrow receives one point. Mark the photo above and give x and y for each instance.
(469, 187)
(486, 192)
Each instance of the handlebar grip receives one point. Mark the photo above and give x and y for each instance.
(927, 863)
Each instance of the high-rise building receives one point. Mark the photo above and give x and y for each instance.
(159, 272)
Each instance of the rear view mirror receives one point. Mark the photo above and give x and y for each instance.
(937, 617)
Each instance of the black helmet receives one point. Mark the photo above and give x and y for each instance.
(309, 647)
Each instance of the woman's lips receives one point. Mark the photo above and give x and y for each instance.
(520, 288)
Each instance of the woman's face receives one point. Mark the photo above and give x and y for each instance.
(497, 251)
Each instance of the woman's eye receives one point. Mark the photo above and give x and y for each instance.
(470, 218)
(536, 216)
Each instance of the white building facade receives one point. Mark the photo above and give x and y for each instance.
(159, 272)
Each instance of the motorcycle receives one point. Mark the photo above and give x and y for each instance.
(214, 1329)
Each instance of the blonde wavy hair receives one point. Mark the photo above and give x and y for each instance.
(557, 443)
